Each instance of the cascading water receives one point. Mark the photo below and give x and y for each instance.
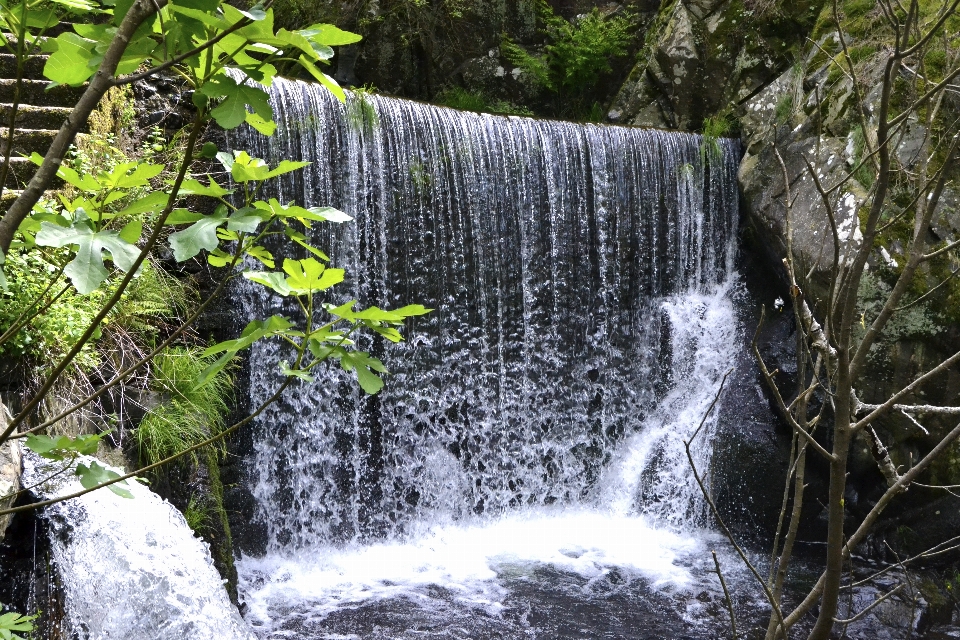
(130, 567)
(580, 277)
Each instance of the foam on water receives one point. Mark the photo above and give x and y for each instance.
(468, 560)
(131, 568)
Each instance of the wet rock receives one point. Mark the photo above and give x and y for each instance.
(10, 468)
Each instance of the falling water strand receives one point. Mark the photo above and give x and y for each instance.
(580, 279)
(130, 567)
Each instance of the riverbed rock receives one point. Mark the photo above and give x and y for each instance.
(10, 469)
(704, 57)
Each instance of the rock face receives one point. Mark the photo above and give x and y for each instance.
(805, 121)
(10, 469)
(704, 57)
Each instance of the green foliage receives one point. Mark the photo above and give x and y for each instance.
(188, 414)
(12, 623)
(197, 515)
(577, 54)
(784, 109)
(465, 100)
(67, 449)
(94, 231)
(55, 316)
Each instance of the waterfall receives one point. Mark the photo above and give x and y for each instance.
(581, 280)
(130, 567)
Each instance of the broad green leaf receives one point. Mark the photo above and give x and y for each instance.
(95, 475)
(245, 220)
(61, 447)
(86, 270)
(202, 234)
(266, 127)
(389, 333)
(69, 64)
(364, 366)
(254, 331)
(131, 231)
(85, 183)
(232, 112)
(412, 310)
(286, 166)
(330, 214)
(271, 280)
(219, 258)
(182, 216)
(202, 16)
(261, 254)
(323, 78)
(330, 35)
(309, 275)
(152, 202)
(132, 174)
(247, 169)
(193, 187)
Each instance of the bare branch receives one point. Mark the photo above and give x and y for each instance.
(870, 607)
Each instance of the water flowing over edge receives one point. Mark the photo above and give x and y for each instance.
(651, 214)
(131, 567)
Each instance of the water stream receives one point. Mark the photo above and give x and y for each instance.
(522, 474)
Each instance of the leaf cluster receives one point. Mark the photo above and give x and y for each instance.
(577, 54)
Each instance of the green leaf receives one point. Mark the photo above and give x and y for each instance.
(86, 183)
(297, 373)
(131, 231)
(245, 220)
(389, 333)
(69, 64)
(61, 447)
(150, 203)
(202, 234)
(243, 168)
(86, 270)
(193, 187)
(330, 35)
(269, 279)
(95, 475)
(309, 275)
(330, 214)
(232, 112)
(132, 174)
(286, 166)
(256, 330)
(361, 363)
(261, 254)
(266, 127)
(323, 78)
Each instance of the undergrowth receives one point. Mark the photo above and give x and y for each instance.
(187, 415)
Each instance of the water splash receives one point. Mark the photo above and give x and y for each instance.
(131, 568)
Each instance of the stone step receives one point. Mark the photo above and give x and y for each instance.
(31, 117)
(32, 66)
(26, 141)
(34, 92)
(21, 170)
